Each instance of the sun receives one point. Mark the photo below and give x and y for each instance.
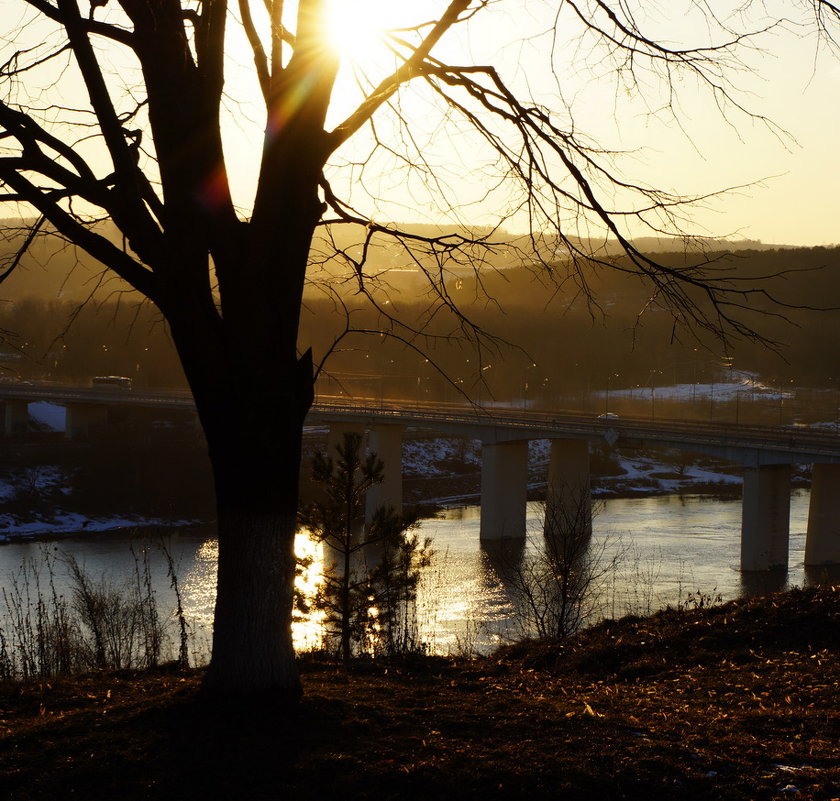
(356, 29)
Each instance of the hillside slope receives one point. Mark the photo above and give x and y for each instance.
(737, 702)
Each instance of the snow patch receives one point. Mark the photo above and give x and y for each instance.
(49, 415)
(72, 523)
(428, 457)
(742, 382)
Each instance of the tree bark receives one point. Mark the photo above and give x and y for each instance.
(252, 410)
(255, 461)
(252, 635)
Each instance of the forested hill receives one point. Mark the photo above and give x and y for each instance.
(53, 269)
(567, 341)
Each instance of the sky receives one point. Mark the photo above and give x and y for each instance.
(783, 173)
(789, 175)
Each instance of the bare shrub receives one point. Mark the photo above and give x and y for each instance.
(180, 617)
(557, 588)
(99, 625)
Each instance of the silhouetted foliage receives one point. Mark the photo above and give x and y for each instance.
(370, 581)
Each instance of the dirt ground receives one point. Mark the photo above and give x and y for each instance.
(738, 701)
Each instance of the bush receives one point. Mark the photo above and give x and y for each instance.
(99, 626)
(557, 588)
(368, 595)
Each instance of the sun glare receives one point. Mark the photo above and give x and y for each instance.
(356, 29)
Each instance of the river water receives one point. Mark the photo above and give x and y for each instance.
(665, 549)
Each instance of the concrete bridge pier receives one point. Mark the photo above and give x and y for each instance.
(568, 497)
(335, 436)
(391, 441)
(15, 417)
(84, 419)
(765, 517)
(822, 541)
(385, 440)
(504, 490)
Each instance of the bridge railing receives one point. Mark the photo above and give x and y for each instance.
(414, 412)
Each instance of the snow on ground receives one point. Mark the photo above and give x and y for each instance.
(429, 458)
(42, 479)
(46, 480)
(646, 474)
(440, 456)
(50, 415)
(70, 523)
(741, 382)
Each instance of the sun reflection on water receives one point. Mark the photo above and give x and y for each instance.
(464, 601)
(308, 627)
(198, 589)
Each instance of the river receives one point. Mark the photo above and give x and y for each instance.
(665, 548)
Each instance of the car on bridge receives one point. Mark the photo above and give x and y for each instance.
(117, 381)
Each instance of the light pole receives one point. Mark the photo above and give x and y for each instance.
(651, 381)
(610, 377)
(525, 383)
(781, 402)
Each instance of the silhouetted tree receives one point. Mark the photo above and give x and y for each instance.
(373, 568)
(114, 111)
(557, 586)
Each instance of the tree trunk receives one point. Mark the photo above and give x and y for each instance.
(252, 633)
(253, 421)
(252, 394)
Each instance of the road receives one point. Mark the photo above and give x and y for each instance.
(490, 424)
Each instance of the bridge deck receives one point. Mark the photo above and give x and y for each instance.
(741, 442)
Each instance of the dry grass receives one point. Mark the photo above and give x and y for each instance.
(734, 702)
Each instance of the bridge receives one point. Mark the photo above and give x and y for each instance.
(766, 454)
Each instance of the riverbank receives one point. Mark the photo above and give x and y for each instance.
(51, 488)
(738, 701)
(158, 476)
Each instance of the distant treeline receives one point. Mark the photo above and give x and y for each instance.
(565, 343)
(568, 344)
(61, 340)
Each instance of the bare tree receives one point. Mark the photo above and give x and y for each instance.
(114, 111)
(557, 587)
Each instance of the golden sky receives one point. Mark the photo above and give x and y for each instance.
(789, 178)
(787, 175)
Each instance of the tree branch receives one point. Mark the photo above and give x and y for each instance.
(260, 58)
(31, 233)
(98, 246)
(89, 25)
(404, 73)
